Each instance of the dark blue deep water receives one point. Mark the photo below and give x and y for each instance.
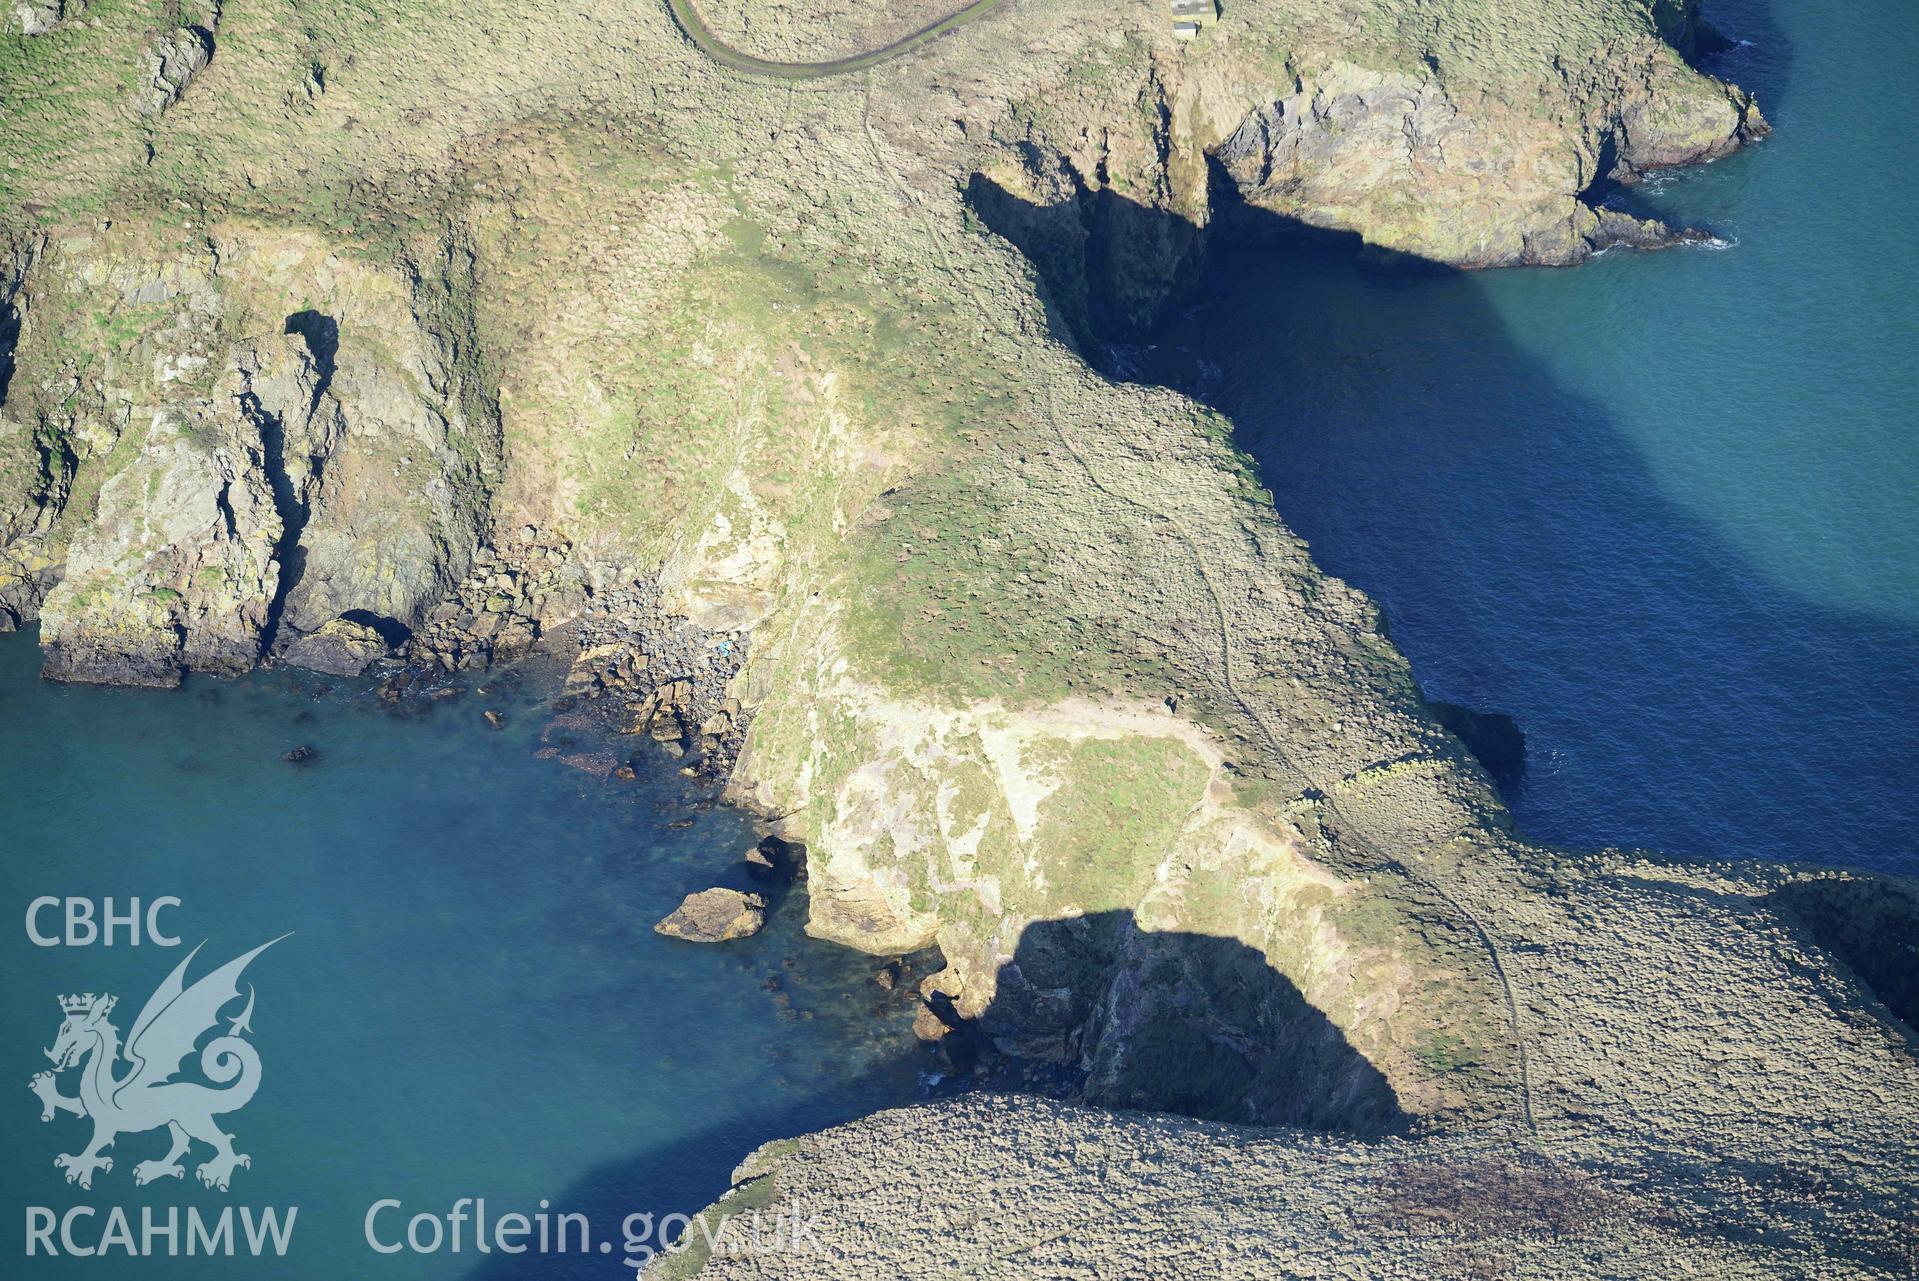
(472, 1002)
(1661, 508)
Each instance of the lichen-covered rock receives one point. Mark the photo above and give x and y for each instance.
(29, 504)
(397, 513)
(339, 647)
(180, 566)
(715, 916)
(37, 17)
(1453, 149)
(181, 563)
(168, 64)
(1396, 158)
(360, 446)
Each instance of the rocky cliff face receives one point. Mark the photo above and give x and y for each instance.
(1436, 148)
(203, 467)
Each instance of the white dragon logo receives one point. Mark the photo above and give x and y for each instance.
(146, 1098)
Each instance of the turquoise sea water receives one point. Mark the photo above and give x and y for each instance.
(472, 1002)
(1662, 508)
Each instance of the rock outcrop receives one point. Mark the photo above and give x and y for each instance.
(32, 483)
(674, 676)
(180, 566)
(715, 916)
(1452, 151)
(168, 64)
(286, 492)
(1350, 143)
(37, 17)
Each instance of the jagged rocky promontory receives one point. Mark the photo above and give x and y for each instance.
(786, 393)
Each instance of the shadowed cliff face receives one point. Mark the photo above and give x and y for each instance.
(1112, 266)
(1114, 271)
(9, 339)
(1870, 923)
(1179, 1022)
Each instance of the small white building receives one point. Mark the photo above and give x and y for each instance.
(1185, 30)
(1203, 12)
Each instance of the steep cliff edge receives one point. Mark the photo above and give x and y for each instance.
(194, 479)
(1427, 134)
(1023, 656)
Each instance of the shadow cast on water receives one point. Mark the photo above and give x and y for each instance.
(1103, 1011)
(632, 1203)
(1671, 693)
(1746, 44)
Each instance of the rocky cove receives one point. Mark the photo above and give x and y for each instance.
(476, 979)
(798, 446)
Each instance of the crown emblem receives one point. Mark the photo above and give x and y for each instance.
(81, 1004)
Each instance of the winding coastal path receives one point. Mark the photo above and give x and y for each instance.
(713, 47)
(1326, 804)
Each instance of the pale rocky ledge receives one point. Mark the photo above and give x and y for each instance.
(335, 337)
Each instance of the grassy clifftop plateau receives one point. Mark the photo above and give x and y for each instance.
(334, 330)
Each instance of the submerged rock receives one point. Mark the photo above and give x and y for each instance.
(714, 916)
(1618, 230)
(928, 1026)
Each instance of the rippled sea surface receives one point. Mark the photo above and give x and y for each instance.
(1662, 508)
(472, 1002)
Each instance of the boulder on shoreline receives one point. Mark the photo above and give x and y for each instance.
(341, 647)
(715, 916)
